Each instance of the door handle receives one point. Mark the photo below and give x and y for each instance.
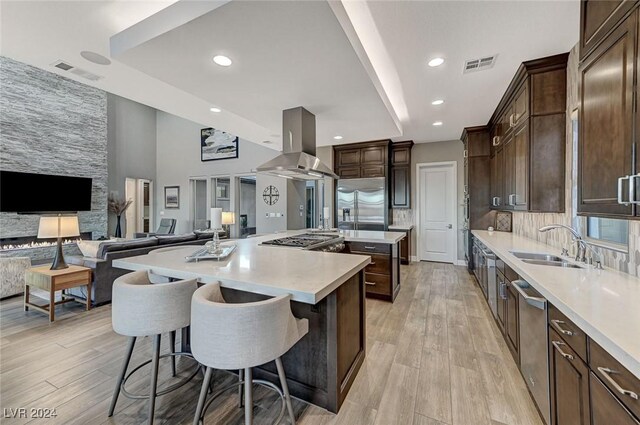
(556, 324)
(632, 189)
(449, 226)
(511, 199)
(606, 374)
(620, 180)
(536, 302)
(496, 140)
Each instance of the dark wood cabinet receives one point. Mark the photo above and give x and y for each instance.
(477, 145)
(382, 275)
(597, 19)
(529, 139)
(568, 385)
(401, 174)
(405, 245)
(606, 144)
(501, 310)
(362, 160)
(606, 409)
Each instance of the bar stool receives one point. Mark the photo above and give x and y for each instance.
(240, 337)
(140, 308)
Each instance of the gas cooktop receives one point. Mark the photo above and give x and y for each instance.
(305, 240)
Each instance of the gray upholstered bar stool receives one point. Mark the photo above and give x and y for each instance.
(140, 308)
(240, 337)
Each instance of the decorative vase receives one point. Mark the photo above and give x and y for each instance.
(118, 229)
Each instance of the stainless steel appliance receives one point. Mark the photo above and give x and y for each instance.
(362, 204)
(534, 363)
(485, 271)
(309, 241)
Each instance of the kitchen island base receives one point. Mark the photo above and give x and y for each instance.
(322, 366)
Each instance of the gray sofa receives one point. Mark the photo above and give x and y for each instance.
(103, 271)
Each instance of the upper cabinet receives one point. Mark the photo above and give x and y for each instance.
(361, 160)
(477, 174)
(401, 174)
(528, 139)
(607, 169)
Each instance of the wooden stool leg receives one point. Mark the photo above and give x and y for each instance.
(52, 304)
(89, 295)
(26, 297)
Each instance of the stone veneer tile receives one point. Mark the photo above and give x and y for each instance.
(52, 125)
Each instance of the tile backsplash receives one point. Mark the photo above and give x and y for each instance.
(527, 224)
(402, 216)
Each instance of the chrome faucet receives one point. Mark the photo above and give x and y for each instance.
(581, 245)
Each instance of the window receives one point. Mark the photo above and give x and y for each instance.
(609, 231)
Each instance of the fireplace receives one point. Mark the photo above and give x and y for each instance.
(38, 250)
(24, 242)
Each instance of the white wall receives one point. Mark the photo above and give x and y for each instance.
(178, 159)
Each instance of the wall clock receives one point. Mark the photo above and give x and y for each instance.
(270, 195)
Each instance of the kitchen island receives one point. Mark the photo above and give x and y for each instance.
(326, 288)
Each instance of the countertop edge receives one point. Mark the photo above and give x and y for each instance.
(626, 359)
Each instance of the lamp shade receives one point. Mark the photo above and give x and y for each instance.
(228, 217)
(58, 227)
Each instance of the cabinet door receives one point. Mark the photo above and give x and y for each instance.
(521, 105)
(349, 172)
(597, 17)
(605, 407)
(568, 384)
(401, 156)
(401, 187)
(373, 155)
(502, 300)
(521, 168)
(606, 122)
(509, 187)
(372, 171)
(348, 158)
(512, 323)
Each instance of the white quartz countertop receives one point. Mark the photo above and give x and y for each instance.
(604, 303)
(401, 226)
(308, 276)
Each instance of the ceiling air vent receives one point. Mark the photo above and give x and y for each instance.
(473, 65)
(77, 71)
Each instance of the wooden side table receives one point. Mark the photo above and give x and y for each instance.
(56, 280)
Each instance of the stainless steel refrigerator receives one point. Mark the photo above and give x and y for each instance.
(362, 204)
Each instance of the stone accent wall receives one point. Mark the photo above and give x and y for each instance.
(527, 224)
(52, 125)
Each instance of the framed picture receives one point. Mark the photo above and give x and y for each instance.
(172, 197)
(217, 144)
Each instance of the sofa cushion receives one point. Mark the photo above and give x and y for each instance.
(125, 245)
(90, 248)
(208, 234)
(171, 239)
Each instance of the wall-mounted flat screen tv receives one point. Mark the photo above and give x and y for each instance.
(29, 193)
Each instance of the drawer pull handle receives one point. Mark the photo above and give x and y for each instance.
(556, 323)
(606, 374)
(369, 247)
(557, 345)
(369, 283)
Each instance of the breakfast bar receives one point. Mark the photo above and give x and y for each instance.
(326, 288)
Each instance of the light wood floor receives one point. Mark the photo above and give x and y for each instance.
(434, 357)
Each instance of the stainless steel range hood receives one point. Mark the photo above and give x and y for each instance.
(298, 160)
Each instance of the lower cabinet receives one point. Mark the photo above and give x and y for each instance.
(405, 247)
(605, 407)
(569, 384)
(382, 275)
(511, 328)
(501, 309)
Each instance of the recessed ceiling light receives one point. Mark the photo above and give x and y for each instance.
(436, 62)
(95, 57)
(337, 137)
(222, 60)
(437, 123)
(437, 102)
(214, 109)
(267, 142)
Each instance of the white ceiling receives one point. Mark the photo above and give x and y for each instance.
(360, 67)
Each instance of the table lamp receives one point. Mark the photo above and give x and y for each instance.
(58, 227)
(216, 226)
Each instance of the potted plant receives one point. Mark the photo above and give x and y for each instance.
(118, 206)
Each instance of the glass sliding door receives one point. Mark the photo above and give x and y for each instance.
(221, 193)
(246, 205)
(199, 204)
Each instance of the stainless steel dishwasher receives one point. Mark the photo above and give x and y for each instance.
(534, 360)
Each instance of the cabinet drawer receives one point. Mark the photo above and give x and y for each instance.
(369, 248)
(605, 407)
(380, 264)
(377, 283)
(615, 377)
(372, 171)
(569, 332)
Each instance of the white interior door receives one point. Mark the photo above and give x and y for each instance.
(437, 213)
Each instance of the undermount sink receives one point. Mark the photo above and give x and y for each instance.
(561, 263)
(536, 256)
